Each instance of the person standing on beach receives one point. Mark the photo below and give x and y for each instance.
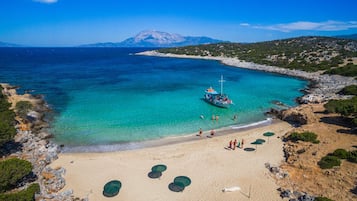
(234, 144)
(212, 132)
(242, 143)
(230, 144)
(200, 132)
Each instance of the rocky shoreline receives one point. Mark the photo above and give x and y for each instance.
(321, 88)
(32, 143)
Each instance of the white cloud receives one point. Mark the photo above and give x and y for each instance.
(46, 1)
(310, 26)
(244, 24)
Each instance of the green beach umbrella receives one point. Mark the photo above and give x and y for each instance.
(256, 143)
(268, 134)
(159, 168)
(260, 140)
(180, 183)
(183, 179)
(156, 171)
(111, 188)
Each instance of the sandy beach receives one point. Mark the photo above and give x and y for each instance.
(208, 162)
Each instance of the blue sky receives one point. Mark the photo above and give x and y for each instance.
(75, 22)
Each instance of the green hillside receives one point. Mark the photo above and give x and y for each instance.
(304, 53)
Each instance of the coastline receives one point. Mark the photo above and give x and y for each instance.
(323, 87)
(207, 161)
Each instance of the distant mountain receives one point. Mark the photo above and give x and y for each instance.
(2, 44)
(157, 39)
(352, 36)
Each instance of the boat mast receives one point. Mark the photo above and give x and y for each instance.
(221, 81)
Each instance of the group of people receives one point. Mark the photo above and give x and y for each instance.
(234, 143)
(213, 132)
(216, 117)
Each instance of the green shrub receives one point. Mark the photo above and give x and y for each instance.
(323, 199)
(305, 136)
(348, 70)
(344, 107)
(22, 108)
(352, 156)
(7, 132)
(349, 90)
(12, 171)
(340, 153)
(24, 195)
(4, 104)
(7, 121)
(328, 162)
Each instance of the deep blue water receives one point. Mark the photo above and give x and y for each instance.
(109, 95)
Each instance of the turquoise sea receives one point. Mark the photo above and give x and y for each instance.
(104, 96)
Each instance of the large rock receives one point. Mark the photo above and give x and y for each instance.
(299, 116)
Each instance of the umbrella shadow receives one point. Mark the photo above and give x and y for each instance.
(249, 149)
(175, 187)
(154, 174)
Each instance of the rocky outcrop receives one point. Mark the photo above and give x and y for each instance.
(326, 87)
(300, 115)
(34, 145)
(276, 171)
(295, 195)
(53, 179)
(279, 173)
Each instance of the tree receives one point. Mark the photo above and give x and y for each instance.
(343, 107)
(7, 132)
(24, 195)
(13, 171)
(349, 90)
(7, 121)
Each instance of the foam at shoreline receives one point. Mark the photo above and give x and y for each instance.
(163, 141)
(259, 123)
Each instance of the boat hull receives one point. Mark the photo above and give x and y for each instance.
(216, 103)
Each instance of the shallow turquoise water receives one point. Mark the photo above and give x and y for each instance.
(109, 96)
